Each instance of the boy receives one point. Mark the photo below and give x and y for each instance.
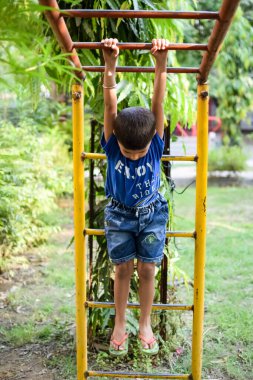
(136, 216)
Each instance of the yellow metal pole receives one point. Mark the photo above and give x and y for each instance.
(200, 225)
(79, 224)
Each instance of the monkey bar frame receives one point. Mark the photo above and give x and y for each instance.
(138, 46)
(223, 19)
(112, 13)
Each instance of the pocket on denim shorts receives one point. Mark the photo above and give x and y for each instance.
(164, 208)
(165, 212)
(107, 215)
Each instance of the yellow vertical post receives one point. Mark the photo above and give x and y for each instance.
(200, 225)
(79, 225)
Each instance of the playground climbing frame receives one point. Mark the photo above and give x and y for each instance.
(222, 18)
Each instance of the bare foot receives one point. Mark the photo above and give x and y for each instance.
(147, 333)
(119, 335)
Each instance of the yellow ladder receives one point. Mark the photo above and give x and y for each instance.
(199, 235)
(223, 20)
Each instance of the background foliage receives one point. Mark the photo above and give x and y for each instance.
(28, 57)
(35, 145)
(230, 79)
(230, 158)
(34, 171)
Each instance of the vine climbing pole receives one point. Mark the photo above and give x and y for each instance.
(222, 19)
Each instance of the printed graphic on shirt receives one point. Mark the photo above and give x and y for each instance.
(132, 182)
(142, 188)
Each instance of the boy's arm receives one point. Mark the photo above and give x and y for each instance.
(109, 86)
(160, 54)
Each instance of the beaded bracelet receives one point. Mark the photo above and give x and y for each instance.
(109, 87)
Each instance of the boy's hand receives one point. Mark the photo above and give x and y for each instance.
(110, 52)
(160, 50)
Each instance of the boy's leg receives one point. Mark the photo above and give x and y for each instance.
(146, 272)
(123, 273)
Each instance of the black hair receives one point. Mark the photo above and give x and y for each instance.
(134, 127)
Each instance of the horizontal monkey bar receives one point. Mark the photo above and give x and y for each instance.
(143, 69)
(139, 46)
(109, 13)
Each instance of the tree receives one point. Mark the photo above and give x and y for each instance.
(132, 88)
(32, 56)
(231, 79)
(28, 58)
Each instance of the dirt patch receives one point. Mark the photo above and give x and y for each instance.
(35, 360)
(20, 276)
(27, 362)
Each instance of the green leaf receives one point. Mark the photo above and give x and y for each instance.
(124, 6)
(125, 92)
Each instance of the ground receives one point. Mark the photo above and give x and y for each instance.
(37, 298)
(30, 352)
(24, 363)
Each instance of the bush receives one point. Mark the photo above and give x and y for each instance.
(229, 158)
(34, 169)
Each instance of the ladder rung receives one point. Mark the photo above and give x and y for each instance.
(143, 69)
(181, 234)
(156, 306)
(139, 375)
(102, 156)
(99, 232)
(179, 158)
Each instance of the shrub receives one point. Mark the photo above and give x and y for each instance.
(34, 169)
(229, 158)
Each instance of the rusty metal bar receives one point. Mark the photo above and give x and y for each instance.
(136, 375)
(112, 13)
(143, 69)
(156, 306)
(139, 46)
(62, 35)
(226, 13)
(101, 232)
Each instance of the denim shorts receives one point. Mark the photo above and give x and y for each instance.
(136, 232)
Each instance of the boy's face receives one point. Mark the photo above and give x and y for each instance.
(133, 154)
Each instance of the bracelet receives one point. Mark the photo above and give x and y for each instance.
(109, 87)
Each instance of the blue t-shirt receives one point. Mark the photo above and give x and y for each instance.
(132, 182)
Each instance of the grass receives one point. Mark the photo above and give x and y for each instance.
(24, 333)
(41, 306)
(228, 333)
(228, 327)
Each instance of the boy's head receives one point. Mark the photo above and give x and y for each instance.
(134, 128)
